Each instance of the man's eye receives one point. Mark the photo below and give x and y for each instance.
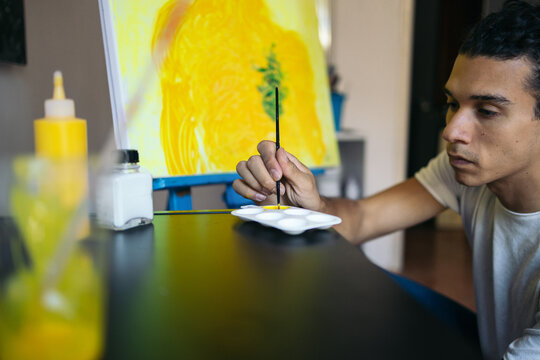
(452, 106)
(487, 113)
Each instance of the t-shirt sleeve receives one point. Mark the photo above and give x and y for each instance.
(438, 178)
(527, 346)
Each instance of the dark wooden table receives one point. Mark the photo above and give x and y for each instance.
(209, 286)
(204, 285)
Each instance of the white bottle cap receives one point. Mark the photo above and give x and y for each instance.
(59, 106)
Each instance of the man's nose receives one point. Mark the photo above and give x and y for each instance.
(458, 128)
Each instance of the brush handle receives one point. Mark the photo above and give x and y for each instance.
(277, 118)
(277, 139)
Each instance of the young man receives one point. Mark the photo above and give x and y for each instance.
(490, 174)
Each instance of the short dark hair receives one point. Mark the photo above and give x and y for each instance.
(511, 33)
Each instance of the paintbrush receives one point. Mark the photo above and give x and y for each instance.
(277, 142)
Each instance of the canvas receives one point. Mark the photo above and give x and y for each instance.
(192, 82)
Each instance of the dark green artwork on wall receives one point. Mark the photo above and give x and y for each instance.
(12, 42)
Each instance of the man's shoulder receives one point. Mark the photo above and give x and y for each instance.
(439, 179)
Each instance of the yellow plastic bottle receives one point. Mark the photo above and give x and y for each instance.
(60, 139)
(60, 133)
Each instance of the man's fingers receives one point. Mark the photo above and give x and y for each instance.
(258, 170)
(242, 188)
(267, 149)
(246, 175)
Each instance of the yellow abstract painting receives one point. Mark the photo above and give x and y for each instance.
(195, 82)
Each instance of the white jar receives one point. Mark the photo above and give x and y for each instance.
(124, 194)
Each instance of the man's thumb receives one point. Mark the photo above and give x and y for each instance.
(290, 171)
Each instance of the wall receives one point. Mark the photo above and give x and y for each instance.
(372, 52)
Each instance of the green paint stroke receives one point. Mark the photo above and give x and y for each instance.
(272, 78)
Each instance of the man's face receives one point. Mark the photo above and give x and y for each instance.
(491, 130)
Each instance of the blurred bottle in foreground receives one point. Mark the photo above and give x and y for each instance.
(51, 306)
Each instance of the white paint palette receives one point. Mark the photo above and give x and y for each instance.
(289, 219)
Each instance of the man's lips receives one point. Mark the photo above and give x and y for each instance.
(457, 160)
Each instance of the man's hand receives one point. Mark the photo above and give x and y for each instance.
(260, 173)
(399, 207)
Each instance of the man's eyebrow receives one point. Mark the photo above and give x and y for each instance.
(493, 98)
(484, 97)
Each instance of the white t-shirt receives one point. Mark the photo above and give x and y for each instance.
(506, 263)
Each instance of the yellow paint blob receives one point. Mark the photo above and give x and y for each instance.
(276, 207)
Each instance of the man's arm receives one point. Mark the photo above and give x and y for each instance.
(401, 206)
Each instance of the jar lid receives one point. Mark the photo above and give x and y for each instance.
(127, 156)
